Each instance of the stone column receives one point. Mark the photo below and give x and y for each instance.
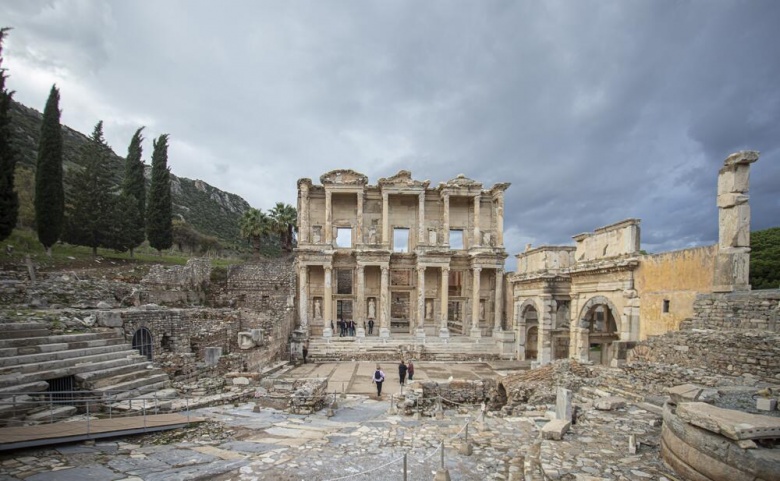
(544, 348)
(475, 330)
(421, 220)
(327, 301)
(303, 298)
(520, 328)
(385, 219)
(303, 215)
(499, 199)
(446, 219)
(444, 293)
(360, 304)
(733, 260)
(420, 301)
(499, 302)
(384, 303)
(477, 241)
(359, 228)
(328, 219)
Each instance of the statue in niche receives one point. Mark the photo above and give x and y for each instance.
(372, 234)
(482, 310)
(432, 237)
(317, 309)
(316, 234)
(371, 308)
(429, 309)
(486, 239)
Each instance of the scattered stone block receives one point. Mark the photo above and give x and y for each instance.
(563, 408)
(766, 404)
(554, 430)
(692, 393)
(732, 424)
(632, 445)
(240, 381)
(610, 403)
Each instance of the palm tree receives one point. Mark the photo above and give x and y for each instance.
(255, 225)
(285, 218)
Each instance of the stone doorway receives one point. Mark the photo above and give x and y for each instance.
(399, 312)
(344, 310)
(532, 343)
(602, 328)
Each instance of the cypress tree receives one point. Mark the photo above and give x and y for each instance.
(134, 188)
(49, 192)
(91, 209)
(9, 201)
(159, 228)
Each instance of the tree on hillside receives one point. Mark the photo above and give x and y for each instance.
(256, 227)
(159, 228)
(765, 259)
(91, 207)
(133, 228)
(9, 201)
(285, 218)
(49, 191)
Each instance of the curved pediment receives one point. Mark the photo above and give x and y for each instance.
(343, 177)
(403, 179)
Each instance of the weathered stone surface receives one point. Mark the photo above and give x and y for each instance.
(691, 393)
(610, 403)
(555, 429)
(766, 404)
(732, 424)
(109, 319)
(563, 408)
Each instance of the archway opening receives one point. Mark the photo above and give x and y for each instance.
(602, 329)
(531, 343)
(142, 341)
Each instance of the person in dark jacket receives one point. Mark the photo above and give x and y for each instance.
(378, 378)
(402, 372)
(410, 370)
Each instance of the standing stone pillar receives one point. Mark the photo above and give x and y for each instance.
(445, 236)
(359, 227)
(384, 303)
(477, 241)
(475, 330)
(520, 330)
(444, 292)
(385, 219)
(499, 202)
(327, 301)
(499, 300)
(420, 301)
(328, 219)
(732, 264)
(360, 306)
(579, 342)
(421, 220)
(303, 215)
(303, 298)
(544, 349)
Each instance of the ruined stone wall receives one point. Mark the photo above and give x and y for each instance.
(724, 352)
(739, 310)
(677, 277)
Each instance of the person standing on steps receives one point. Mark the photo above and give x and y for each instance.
(378, 379)
(410, 370)
(370, 326)
(402, 372)
(306, 351)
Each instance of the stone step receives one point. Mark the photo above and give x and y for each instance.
(22, 326)
(111, 370)
(56, 347)
(26, 333)
(134, 385)
(17, 407)
(9, 391)
(51, 415)
(115, 395)
(57, 338)
(156, 400)
(58, 356)
(144, 373)
(11, 375)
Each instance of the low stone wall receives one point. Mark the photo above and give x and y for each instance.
(459, 392)
(740, 310)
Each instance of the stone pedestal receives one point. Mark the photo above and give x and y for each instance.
(384, 332)
(420, 334)
(361, 332)
(327, 332)
(444, 332)
(475, 332)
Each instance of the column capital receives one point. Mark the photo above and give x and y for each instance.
(420, 268)
(445, 269)
(477, 269)
(385, 269)
(360, 268)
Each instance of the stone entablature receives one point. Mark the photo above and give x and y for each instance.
(412, 258)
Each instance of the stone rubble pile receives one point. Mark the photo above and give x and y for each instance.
(538, 386)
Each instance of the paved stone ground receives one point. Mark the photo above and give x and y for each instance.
(241, 445)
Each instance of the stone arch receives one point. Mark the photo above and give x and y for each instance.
(532, 336)
(524, 307)
(143, 342)
(599, 301)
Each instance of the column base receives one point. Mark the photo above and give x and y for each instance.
(444, 332)
(361, 332)
(475, 332)
(384, 332)
(327, 332)
(419, 333)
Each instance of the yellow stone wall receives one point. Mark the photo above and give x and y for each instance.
(676, 276)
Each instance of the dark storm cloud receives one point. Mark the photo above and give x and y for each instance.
(594, 111)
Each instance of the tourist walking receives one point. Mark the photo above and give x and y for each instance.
(378, 379)
(370, 326)
(402, 372)
(306, 351)
(410, 370)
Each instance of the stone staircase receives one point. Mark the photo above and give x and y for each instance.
(99, 366)
(402, 346)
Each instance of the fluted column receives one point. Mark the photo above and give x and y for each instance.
(385, 218)
(327, 302)
(359, 234)
(384, 303)
(544, 348)
(500, 219)
(499, 304)
(360, 307)
(475, 330)
(421, 220)
(446, 219)
(303, 298)
(444, 297)
(477, 241)
(328, 219)
(303, 219)
(420, 301)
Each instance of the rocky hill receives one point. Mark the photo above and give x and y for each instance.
(211, 211)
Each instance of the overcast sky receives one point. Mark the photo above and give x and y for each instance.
(595, 111)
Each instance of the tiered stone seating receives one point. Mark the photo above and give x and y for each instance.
(456, 348)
